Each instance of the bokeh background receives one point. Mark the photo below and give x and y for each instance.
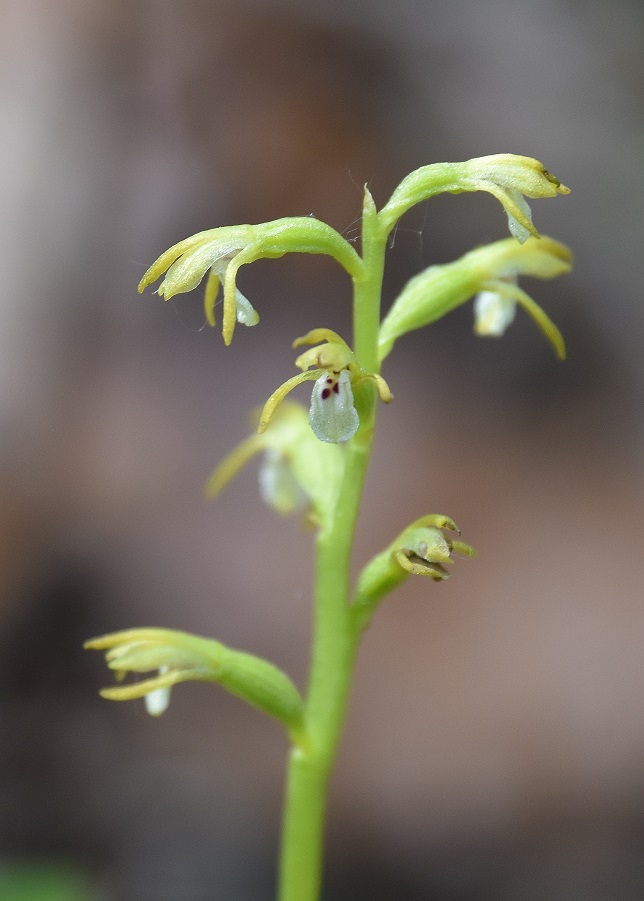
(495, 744)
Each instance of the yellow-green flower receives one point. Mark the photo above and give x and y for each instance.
(185, 264)
(511, 179)
(493, 268)
(423, 549)
(220, 252)
(508, 177)
(177, 657)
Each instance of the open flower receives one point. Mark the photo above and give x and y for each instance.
(220, 252)
(332, 414)
(186, 263)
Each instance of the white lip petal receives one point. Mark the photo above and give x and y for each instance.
(493, 313)
(332, 415)
(278, 486)
(156, 702)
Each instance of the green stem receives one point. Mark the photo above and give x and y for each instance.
(336, 639)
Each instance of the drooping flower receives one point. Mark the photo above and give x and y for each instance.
(507, 176)
(220, 252)
(180, 657)
(496, 268)
(511, 178)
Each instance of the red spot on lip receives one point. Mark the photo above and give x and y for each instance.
(326, 392)
(336, 388)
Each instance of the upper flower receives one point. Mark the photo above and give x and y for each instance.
(511, 179)
(508, 177)
(492, 268)
(221, 251)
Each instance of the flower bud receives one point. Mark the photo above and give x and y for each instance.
(422, 550)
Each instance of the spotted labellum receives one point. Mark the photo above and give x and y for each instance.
(332, 414)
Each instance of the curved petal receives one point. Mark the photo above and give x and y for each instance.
(210, 296)
(317, 336)
(278, 395)
(226, 471)
(543, 321)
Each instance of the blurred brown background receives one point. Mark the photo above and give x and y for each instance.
(495, 747)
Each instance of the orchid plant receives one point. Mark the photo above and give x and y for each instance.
(314, 461)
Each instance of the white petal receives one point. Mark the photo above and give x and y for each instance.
(156, 702)
(332, 415)
(493, 313)
(518, 231)
(246, 313)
